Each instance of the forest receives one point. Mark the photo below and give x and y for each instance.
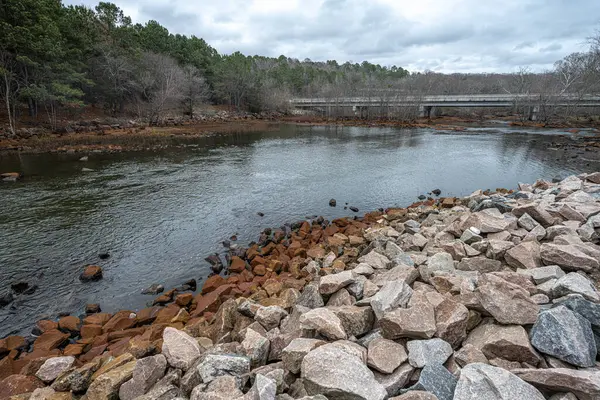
(56, 59)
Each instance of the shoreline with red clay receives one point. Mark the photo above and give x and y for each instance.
(147, 138)
(270, 272)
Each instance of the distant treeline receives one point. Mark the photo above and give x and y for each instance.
(55, 57)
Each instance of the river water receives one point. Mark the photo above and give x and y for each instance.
(160, 213)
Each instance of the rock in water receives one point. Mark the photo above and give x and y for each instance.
(332, 203)
(91, 273)
(566, 335)
(436, 192)
(330, 371)
(180, 348)
(484, 382)
(436, 379)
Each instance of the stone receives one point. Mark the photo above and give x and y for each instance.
(330, 284)
(356, 321)
(69, 323)
(216, 365)
(403, 273)
(537, 212)
(294, 353)
(264, 388)
(392, 295)
(497, 248)
(574, 283)
(311, 297)
(525, 255)
(568, 256)
(416, 395)
(385, 356)
(106, 386)
(146, 373)
(439, 262)
(91, 273)
(222, 388)
(543, 274)
(506, 302)
(14, 385)
(50, 340)
(330, 371)
(484, 382)
(566, 335)
(587, 309)
(165, 391)
(469, 354)
(364, 269)
(509, 342)
(256, 347)
(436, 379)
(540, 299)
(341, 298)
(375, 260)
(325, 322)
(479, 264)
(469, 236)
(180, 349)
(270, 317)
(46, 393)
(451, 319)
(426, 352)
(79, 380)
(395, 381)
(527, 223)
(583, 383)
(417, 321)
(53, 367)
(487, 221)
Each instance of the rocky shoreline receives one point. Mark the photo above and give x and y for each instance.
(491, 296)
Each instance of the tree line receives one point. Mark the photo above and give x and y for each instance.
(61, 58)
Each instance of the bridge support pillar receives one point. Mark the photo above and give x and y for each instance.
(425, 111)
(533, 113)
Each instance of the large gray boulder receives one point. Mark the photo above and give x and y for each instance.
(392, 295)
(295, 352)
(566, 335)
(574, 283)
(484, 382)
(436, 379)
(438, 263)
(330, 371)
(180, 349)
(425, 352)
(216, 365)
(330, 284)
(325, 322)
(146, 373)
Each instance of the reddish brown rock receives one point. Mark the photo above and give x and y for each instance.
(14, 342)
(166, 297)
(212, 283)
(183, 300)
(237, 265)
(50, 340)
(166, 314)
(6, 367)
(70, 324)
(120, 321)
(76, 349)
(18, 384)
(93, 353)
(46, 325)
(97, 319)
(91, 273)
(260, 270)
(90, 331)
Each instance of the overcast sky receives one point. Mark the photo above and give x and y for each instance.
(440, 35)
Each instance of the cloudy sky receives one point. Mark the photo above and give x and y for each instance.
(440, 35)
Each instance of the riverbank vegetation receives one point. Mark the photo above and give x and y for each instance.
(58, 61)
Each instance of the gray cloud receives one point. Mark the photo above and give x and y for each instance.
(440, 35)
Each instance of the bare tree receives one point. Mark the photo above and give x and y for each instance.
(195, 90)
(9, 87)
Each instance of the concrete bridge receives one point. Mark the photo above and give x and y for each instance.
(427, 104)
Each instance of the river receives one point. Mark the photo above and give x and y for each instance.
(160, 213)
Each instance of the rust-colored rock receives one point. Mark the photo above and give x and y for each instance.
(166, 314)
(6, 367)
(97, 319)
(70, 324)
(166, 297)
(46, 325)
(90, 331)
(147, 315)
(50, 340)
(120, 321)
(91, 273)
(15, 342)
(211, 301)
(259, 270)
(75, 349)
(212, 283)
(183, 300)
(237, 265)
(127, 333)
(18, 384)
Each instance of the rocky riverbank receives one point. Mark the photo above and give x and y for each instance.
(492, 296)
